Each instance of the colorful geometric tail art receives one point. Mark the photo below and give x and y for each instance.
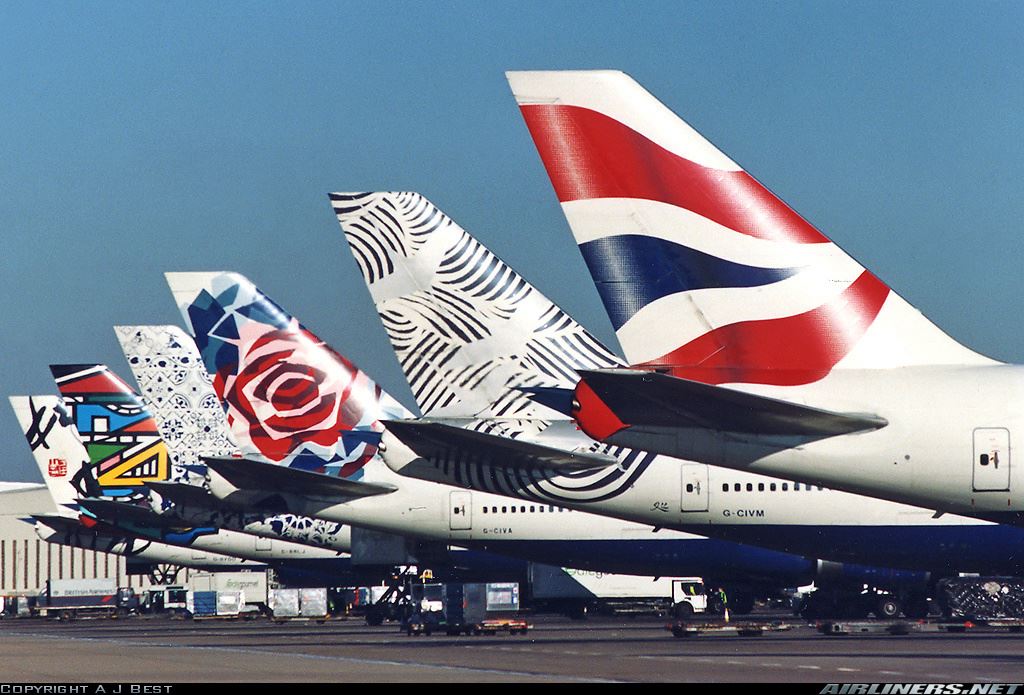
(179, 393)
(69, 468)
(703, 271)
(121, 438)
(467, 329)
(290, 398)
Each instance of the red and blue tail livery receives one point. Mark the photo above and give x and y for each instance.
(290, 398)
(705, 273)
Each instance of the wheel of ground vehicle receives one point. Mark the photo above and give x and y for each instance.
(887, 607)
(374, 618)
(578, 610)
(683, 609)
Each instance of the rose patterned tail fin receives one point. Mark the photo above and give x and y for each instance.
(290, 398)
(470, 332)
(170, 373)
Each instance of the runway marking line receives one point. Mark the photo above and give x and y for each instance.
(324, 657)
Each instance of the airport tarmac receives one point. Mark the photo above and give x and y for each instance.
(155, 650)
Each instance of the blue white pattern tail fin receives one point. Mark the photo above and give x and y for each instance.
(470, 333)
(179, 392)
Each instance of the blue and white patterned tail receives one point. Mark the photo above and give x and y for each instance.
(179, 392)
(469, 332)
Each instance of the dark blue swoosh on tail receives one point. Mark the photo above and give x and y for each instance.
(631, 271)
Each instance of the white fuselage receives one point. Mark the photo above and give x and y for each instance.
(426, 510)
(948, 444)
(676, 497)
(285, 527)
(233, 543)
(141, 550)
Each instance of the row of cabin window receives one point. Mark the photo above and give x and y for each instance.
(737, 487)
(533, 508)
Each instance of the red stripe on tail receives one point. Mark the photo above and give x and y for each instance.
(783, 352)
(589, 155)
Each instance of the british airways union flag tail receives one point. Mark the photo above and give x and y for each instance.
(705, 274)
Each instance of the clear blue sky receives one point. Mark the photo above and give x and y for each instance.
(142, 137)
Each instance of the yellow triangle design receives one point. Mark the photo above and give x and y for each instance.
(127, 472)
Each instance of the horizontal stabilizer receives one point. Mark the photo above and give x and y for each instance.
(118, 512)
(554, 397)
(651, 399)
(256, 475)
(58, 523)
(177, 493)
(439, 442)
(64, 524)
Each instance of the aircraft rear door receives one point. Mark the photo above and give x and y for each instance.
(694, 487)
(460, 510)
(991, 459)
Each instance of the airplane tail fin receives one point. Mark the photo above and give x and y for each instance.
(121, 437)
(704, 272)
(56, 448)
(179, 393)
(469, 332)
(290, 398)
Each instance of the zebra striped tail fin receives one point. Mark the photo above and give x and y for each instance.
(470, 333)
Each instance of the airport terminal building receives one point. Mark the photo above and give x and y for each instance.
(27, 561)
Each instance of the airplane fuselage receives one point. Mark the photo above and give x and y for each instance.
(141, 550)
(794, 517)
(948, 444)
(798, 521)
